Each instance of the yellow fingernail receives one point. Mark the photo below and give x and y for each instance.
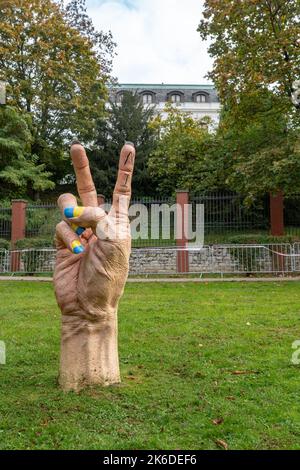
(77, 247)
(75, 243)
(78, 211)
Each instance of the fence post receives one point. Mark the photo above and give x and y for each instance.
(277, 214)
(18, 227)
(182, 199)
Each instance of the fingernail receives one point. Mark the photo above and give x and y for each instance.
(71, 212)
(77, 248)
(78, 230)
(76, 142)
(68, 212)
(127, 142)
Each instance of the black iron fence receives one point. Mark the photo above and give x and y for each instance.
(225, 215)
(41, 220)
(292, 215)
(5, 223)
(226, 212)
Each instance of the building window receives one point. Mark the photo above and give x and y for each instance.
(147, 98)
(175, 98)
(200, 98)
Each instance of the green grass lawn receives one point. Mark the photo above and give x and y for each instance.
(179, 348)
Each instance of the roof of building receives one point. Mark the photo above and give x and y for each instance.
(165, 85)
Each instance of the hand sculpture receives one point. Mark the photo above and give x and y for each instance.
(90, 274)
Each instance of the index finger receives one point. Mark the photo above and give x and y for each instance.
(85, 183)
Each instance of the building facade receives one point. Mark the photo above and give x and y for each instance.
(198, 100)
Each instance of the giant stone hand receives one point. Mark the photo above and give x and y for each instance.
(90, 274)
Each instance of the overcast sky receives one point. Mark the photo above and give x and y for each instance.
(157, 40)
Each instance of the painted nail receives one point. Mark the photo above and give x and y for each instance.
(71, 212)
(77, 248)
(78, 230)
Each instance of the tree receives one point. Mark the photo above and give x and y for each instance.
(126, 121)
(103, 45)
(53, 72)
(182, 159)
(254, 43)
(259, 148)
(255, 46)
(19, 170)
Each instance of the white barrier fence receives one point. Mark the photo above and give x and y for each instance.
(213, 259)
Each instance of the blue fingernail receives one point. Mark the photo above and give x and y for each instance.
(79, 231)
(78, 249)
(68, 212)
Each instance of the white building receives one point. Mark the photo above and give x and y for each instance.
(198, 100)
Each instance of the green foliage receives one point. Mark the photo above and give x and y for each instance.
(128, 121)
(260, 239)
(103, 45)
(4, 244)
(255, 47)
(42, 221)
(31, 243)
(54, 72)
(258, 148)
(182, 158)
(19, 169)
(179, 348)
(253, 43)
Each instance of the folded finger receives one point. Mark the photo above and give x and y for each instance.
(67, 200)
(66, 238)
(87, 217)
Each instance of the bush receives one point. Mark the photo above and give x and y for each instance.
(260, 239)
(41, 222)
(4, 244)
(28, 243)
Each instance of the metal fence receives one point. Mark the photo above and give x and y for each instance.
(225, 212)
(215, 259)
(41, 220)
(292, 216)
(154, 225)
(225, 215)
(5, 222)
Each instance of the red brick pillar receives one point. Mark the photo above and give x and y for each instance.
(182, 199)
(277, 227)
(18, 226)
(277, 214)
(101, 199)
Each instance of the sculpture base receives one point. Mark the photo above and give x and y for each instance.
(89, 354)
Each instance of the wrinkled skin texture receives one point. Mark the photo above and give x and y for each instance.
(89, 284)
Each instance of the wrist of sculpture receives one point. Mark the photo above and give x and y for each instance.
(89, 352)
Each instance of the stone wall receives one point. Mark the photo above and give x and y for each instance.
(210, 259)
(216, 259)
